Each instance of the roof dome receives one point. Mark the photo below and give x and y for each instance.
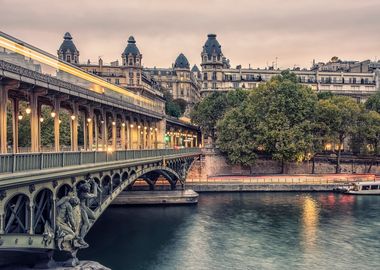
(68, 44)
(212, 46)
(181, 62)
(131, 47)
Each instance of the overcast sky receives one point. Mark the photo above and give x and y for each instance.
(250, 31)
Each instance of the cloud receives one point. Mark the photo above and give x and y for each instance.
(250, 31)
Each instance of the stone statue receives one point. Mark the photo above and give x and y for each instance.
(87, 191)
(68, 224)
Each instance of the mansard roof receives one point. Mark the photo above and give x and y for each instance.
(131, 47)
(68, 44)
(212, 46)
(181, 62)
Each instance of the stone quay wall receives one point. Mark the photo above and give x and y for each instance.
(214, 164)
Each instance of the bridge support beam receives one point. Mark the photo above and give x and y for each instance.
(114, 123)
(104, 131)
(90, 123)
(122, 133)
(3, 118)
(34, 122)
(15, 109)
(57, 105)
(74, 128)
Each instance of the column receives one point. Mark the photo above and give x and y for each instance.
(34, 122)
(138, 134)
(15, 113)
(114, 132)
(90, 122)
(31, 214)
(74, 128)
(85, 131)
(96, 127)
(57, 105)
(150, 136)
(122, 133)
(104, 131)
(3, 118)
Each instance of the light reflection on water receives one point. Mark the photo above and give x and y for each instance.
(242, 231)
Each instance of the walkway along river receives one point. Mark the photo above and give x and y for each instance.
(242, 231)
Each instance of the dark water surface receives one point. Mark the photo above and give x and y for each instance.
(242, 231)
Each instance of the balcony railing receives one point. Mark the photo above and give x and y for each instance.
(11, 163)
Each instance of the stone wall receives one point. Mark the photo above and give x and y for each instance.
(214, 164)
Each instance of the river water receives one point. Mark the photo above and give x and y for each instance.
(242, 231)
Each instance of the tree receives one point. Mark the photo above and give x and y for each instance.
(286, 112)
(182, 104)
(369, 134)
(373, 103)
(212, 108)
(236, 137)
(277, 117)
(171, 108)
(338, 117)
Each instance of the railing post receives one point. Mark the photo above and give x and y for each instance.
(41, 161)
(94, 156)
(80, 158)
(14, 163)
(63, 159)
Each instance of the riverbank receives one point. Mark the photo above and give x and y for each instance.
(304, 182)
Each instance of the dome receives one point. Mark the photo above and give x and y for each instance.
(131, 47)
(181, 62)
(212, 46)
(68, 44)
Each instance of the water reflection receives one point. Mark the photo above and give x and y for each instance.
(310, 221)
(242, 231)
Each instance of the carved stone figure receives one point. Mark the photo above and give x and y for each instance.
(68, 224)
(87, 191)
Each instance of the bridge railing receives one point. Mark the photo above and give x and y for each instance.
(21, 162)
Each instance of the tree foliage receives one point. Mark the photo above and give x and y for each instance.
(338, 119)
(212, 108)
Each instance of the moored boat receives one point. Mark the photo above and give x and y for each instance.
(364, 188)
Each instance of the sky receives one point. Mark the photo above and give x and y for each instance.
(251, 32)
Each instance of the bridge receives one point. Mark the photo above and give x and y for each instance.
(100, 140)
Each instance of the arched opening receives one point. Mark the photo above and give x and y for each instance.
(106, 186)
(124, 176)
(17, 215)
(116, 181)
(43, 211)
(63, 191)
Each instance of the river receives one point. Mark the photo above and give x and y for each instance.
(242, 231)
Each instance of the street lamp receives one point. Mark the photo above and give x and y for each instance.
(28, 110)
(73, 117)
(53, 114)
(89, 120)
(20, 117)
(41, 119)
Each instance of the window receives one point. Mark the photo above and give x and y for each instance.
(214, 75)
(374, 187)
(365, 187)
(130, 81)
(205, 76)
(117, 81)
(213, 85)
(68, 58)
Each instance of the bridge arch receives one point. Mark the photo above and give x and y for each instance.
(17, 214)
(63, 190)
(43, 210)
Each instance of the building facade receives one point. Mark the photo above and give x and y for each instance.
(352, 78)
(179, 80)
